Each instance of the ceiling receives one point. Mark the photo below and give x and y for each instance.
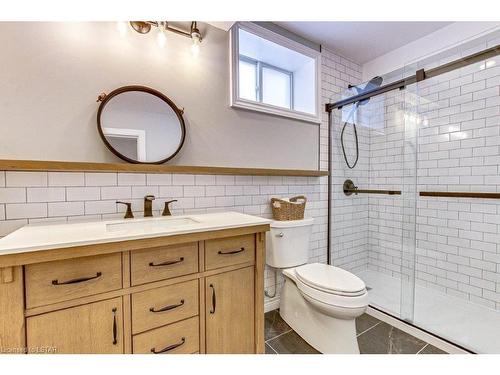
(362, 41)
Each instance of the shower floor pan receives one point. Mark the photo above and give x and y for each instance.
(465, 323)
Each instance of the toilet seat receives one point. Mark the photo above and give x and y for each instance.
(320, 286)
(330, 279)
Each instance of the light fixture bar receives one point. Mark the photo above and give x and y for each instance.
(143, 27)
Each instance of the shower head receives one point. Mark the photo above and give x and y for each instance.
(372, 84)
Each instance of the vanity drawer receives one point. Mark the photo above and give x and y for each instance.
(178, 338)
(163, 263)
(63, 280)
(229, 251)
(169, 304)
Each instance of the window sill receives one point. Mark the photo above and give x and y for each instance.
(276, 111)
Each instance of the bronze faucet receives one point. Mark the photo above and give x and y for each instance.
(148, 205)
(128, 213)
(166, 210)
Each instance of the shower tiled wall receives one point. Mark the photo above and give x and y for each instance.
(458, 240)
(385, 117)
(32, 197)
(349, 218)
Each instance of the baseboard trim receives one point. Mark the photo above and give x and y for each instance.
(415, 331)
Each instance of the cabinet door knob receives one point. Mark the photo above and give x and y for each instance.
(214, 299)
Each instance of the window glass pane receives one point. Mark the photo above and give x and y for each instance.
(276, 87)
(248, 80)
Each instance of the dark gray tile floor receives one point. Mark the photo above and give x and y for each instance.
(374, 337)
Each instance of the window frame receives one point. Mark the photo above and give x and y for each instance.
(237, 102)
(257, 75)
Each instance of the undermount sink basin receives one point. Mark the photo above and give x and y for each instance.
(151, 224)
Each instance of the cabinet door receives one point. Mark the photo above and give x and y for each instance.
(229, 312)
(93, 328)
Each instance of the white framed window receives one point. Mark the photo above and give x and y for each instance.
(273, 74)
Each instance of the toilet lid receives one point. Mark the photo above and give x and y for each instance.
(330, 279)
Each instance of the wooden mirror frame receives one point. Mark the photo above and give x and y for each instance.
(105, 98)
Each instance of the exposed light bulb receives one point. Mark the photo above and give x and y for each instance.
(195, 47)
(122, 28)
(161, 38)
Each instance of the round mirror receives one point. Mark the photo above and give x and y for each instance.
(140, 125)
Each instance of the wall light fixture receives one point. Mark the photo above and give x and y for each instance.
(144, 27)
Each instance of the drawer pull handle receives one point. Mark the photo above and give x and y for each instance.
(115, 328)
(169, 348)
(231, 252)
(166, 308)
(214, 299)
(167, 263)
(76, 281)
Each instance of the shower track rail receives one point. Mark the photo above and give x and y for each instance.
(420, 75)
(459, 194)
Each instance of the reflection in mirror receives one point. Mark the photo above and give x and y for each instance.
(141, 126)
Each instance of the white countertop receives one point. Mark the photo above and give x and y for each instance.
(36, 237)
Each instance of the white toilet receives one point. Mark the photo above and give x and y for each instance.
(320, 302)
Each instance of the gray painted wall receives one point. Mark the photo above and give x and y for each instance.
(52, 73)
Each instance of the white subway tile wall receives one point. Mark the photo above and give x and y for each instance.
(349, 217)
(66, 179)
(26, 179)
(458, 240)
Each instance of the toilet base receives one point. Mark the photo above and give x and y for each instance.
(327, 334)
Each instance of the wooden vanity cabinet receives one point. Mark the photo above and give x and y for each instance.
(229, 312)
(198, 293)
(93, 328)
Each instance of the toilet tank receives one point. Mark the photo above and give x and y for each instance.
(288, 243)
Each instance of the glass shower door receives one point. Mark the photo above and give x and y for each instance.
(457, 244)
(370, 230)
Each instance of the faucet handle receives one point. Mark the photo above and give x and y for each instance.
(166, 210)
(128, 213)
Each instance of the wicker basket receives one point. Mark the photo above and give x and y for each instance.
(289, 210)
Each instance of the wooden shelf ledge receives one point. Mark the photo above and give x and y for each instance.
(69, 166)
